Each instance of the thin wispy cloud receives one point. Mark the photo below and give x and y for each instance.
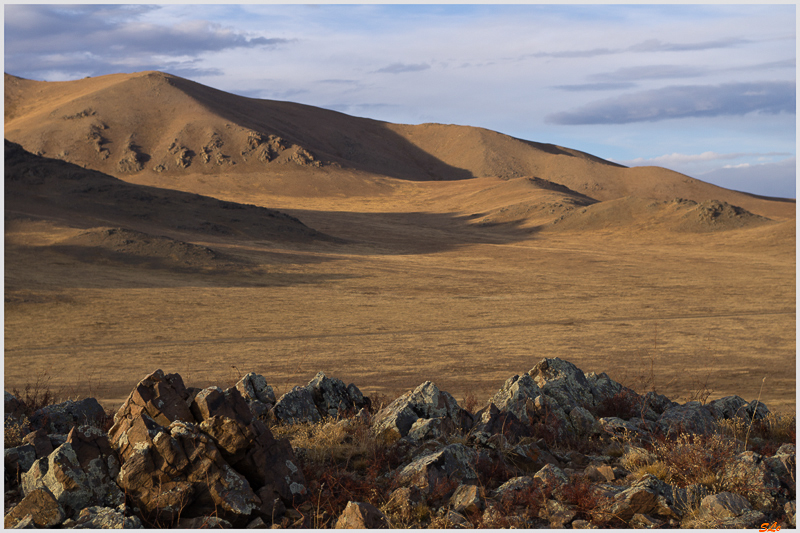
(399, 68)
(602, 86)
(687, 101)
(650, 72)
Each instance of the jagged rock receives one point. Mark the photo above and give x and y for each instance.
(551, 479)
(258, 523)
(563, 382)
(752, 467)
(426, 401)
(105, 518)
(725, 505)
(230, 436)
(467, 498)
(491, 421)
(429, 428)
(40, 442)
(515, 389)
(163, 397)
(657, 403)
(297, 406)
(270, 464)
(41, 506)
(602, 387)
(514, 485)
(454, 461)
(20, 458)
(558, 514)
(583, 421)
(583, 524)
(747, 520)
(691, 417)
(649, 496)
(333, 398)
(79, 473)
(530, 457)
(214, 402)
(403, 499)
(259, 396)
(450, 519)
(62, 417)
(358, 515)
(727, 407)
(600, 473)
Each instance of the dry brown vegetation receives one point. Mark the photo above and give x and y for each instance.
(543, 252)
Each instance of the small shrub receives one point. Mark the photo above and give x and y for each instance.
(14, 431)
(590, 504)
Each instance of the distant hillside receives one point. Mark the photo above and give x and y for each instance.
(51, 189)
(163, 130)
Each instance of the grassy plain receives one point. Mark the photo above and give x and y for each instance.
(418, 292)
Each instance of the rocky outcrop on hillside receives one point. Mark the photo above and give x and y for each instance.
(554, 447)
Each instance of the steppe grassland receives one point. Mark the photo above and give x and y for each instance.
(417, 294)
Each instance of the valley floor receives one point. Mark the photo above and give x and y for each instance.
(414, 294)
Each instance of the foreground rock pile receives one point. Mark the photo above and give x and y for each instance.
(555, 447)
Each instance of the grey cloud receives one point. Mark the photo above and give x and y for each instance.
(603, 86)
(93, 37)
(398, 68)
(650, 72)
(651, 45)
(684, 102)
(654, 45)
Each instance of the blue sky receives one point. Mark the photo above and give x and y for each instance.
(707, 90)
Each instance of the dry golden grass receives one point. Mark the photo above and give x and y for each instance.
(463, 282)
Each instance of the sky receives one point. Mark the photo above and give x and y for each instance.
(706, 90)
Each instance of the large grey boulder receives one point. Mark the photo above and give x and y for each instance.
(323, 397)
(454, 462)
(691, 417)
(426, 401)
(563, 382)
(260, 397)
(62, 417)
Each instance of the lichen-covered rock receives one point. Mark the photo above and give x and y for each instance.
(643, 521)
(563, 382)
(648, 496)
(257, 393)
(358, 515)
(297, 406)
(691, 417)
(43, 508)
(791, 512)
(751, 468)
(204, 522)
(727, 407)
(513, 486)
(492, 421)
(583, 421)
(515, 388)
(20, 458)
(426, 401)
(551, 479)
(333, 398)
(602, 387)
(105, 518)
(163, 397)
(559, 514)
(467, 499)
(429, 428)
(724, 505)
(62, 417)
(77, 478)
(454, 461)
(213, 401)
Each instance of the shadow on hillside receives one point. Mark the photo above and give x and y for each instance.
(355, 142)
(409, 233)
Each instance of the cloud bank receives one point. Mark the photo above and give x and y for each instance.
(685, 101)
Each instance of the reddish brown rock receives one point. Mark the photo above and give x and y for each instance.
(361, 516)
(163, 397)
(45, 511)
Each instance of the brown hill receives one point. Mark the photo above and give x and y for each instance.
(159, 129)
(46, 188)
